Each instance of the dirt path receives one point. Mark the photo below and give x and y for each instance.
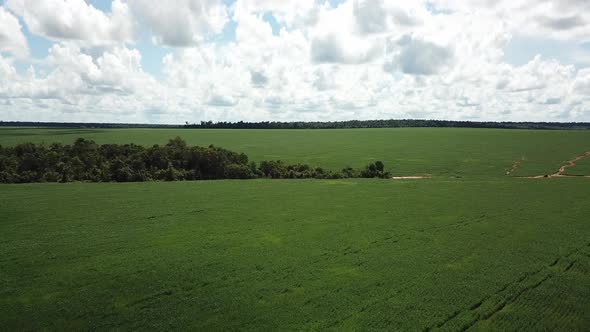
(515, 165)
(410, 177)
(562, 169)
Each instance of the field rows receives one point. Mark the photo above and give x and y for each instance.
(474, 247)
(265, 254)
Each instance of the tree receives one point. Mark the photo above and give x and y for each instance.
(85, 160)
(375, 170)
(379, 166)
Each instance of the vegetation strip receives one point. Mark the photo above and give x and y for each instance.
(87, 161)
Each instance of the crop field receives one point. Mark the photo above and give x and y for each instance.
(447, 152)
(582, 167)
(475, 247)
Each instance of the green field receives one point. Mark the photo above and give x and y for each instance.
(470, 248)
(582, 168)
(446, 152)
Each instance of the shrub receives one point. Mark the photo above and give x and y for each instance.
(238, 171)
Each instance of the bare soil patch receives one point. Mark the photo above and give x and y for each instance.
(410, 177)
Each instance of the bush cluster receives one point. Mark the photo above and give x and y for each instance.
(85, 160)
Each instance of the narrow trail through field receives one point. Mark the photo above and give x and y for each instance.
(562, 169)
(414, 177)
(515, 165)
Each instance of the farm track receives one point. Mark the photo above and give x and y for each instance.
(491, 305)
(515, 165)
(413, 177)
(562, 169)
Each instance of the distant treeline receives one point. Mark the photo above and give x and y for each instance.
(315, 125)
(87, 161)
(82, 125)
(387, 124)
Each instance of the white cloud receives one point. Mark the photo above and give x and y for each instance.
(7, 71)
(334, 49)
(358, 60)
(180, 23)
(581, 84)
(258, 78)
(75, 20)
(292, 13)
(560, 19)
(370, 16)
(75, 84)
(223, 101)
(419, 57)
(335, 38)
(379, 16)
(12, 39)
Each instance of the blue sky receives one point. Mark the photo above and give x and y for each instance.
(341, 59)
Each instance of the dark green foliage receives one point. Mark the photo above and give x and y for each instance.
(375, 170)
(238, 171)
(85, 160)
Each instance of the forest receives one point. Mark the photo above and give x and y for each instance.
(84, 160)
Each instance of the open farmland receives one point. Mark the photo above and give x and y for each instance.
(470, 248)
(446, 152)
(582, 167)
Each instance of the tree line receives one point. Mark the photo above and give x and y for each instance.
(84, 160)
(406, 123)
(391, 123)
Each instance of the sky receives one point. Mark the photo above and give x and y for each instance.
(145, 61)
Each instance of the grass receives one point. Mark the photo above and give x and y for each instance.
(446, 152)
(298, 254)
(470, 248)
(582, 168)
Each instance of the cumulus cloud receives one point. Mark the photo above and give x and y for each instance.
(379, 16)
(370, 16)
(75, 20)
(581, 84)
(291, 13)
(223, 101)
(12, 39)
(258, 78)
(75, 84)
(419, 57)
(332, 49)
(336, 38)
(538, 74)
(7, 71)
(117, 70)
(293, 60)
(561, 23)
(181, 23)
(558, 19)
